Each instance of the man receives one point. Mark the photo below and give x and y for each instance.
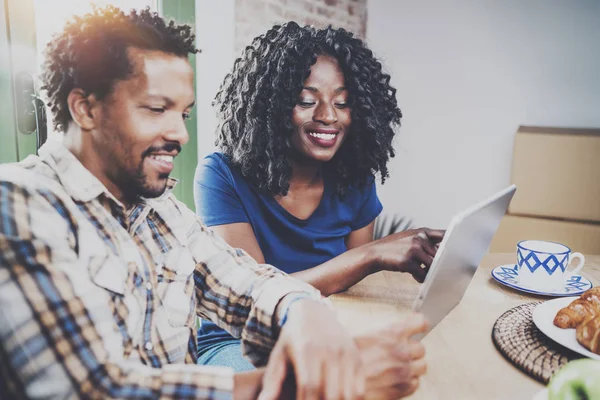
(102, 270)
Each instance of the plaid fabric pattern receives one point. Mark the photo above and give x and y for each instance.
(99, 301)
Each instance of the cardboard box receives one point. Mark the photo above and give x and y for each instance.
(557, 173)
(579, 236)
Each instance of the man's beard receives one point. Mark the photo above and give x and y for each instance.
(133, 180)
(137, 184)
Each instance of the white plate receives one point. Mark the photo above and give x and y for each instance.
(507, 275)
(543, 318)
(541, 395)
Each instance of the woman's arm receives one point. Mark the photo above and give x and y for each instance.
(331, 277)
(410, 251)
(345, 270)
(241, 236)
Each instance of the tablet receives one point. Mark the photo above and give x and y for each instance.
(466, 241)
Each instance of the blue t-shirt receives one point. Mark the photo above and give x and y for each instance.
(223, 196)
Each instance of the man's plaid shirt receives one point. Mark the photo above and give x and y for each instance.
(98, 300)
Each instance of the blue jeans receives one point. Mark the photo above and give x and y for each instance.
(227, 353)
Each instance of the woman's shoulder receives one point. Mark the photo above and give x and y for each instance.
(214, 166)
(219, 162)
(359, 191)
(216, 160)
(219, 165)
(365, 203)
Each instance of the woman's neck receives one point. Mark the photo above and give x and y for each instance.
(305, 174)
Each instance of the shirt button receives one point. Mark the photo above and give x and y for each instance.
(148, 346)
(149, 286)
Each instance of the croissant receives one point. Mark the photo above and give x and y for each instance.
(575, 313)
(592, 295)
(588, 334)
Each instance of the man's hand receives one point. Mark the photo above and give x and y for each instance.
(323, 357)
(393, 362)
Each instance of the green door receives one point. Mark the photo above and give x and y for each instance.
(8, 137)
(184, 11)
(18, 62)
(8, 129)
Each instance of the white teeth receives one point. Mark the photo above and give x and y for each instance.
(168, 159)
(324, 136)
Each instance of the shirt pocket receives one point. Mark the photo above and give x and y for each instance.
(176, 286)
(106, 269)
(110, 273)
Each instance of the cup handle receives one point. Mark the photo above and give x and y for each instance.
(579, 266)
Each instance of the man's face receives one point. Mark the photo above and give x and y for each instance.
(142, 124)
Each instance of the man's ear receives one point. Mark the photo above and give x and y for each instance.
(84, 109)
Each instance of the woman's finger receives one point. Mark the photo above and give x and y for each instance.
(434, 235)
(414, 268)
(427, 245)
(419, 258)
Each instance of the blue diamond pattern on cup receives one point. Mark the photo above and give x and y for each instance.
(531, 261)
(550, 264)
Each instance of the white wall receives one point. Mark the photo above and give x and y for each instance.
(468, 73)
(215, 36)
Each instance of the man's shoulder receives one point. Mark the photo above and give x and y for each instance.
(181, 220)
(31, 175)
(172, 210)
(32, 200)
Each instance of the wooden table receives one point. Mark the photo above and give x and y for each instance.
(462, 360)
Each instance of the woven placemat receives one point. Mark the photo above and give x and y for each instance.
(526, 347)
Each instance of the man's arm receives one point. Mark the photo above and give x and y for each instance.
(264, 305)
(237, 293)
(57, 329)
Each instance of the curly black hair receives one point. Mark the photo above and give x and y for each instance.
(91, 53)
(256, 100)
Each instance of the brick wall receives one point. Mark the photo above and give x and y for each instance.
(255, 17)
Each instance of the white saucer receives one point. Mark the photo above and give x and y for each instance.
(543, 318)
(507, 275)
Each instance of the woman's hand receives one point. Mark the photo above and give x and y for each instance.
(323, 358)
(409, 251)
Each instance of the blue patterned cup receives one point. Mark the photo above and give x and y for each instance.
(543, 265)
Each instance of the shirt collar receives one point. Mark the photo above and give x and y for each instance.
(79, 183)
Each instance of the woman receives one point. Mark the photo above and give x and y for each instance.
(307, 119)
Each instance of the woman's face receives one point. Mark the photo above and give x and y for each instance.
(321, 117)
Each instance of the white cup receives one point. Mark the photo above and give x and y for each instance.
(543, 265)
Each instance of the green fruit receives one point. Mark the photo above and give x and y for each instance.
(578, 380)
